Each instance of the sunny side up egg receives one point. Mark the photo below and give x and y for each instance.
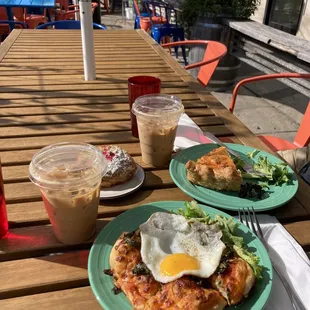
(171, 248)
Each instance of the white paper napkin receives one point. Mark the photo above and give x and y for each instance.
(290, 259)
(284, 250)
(188, 134)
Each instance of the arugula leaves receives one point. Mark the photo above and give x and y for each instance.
(192, 212)
(275, 173)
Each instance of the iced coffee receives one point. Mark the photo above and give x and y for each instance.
(157, 119)
(69, 177)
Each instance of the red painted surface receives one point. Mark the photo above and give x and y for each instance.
(4, 226)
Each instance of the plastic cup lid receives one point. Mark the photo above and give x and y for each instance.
(158, 106)
(65, 166)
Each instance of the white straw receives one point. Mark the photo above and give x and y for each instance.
(87, 40)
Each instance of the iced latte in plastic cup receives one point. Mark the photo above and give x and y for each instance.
(69, 177)
(157, 118)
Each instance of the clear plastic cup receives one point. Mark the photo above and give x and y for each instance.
(157, 118)
(69, 177)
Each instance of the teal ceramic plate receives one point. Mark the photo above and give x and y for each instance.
(276, 195)
(102, 284)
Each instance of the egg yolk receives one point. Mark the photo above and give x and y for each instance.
(173, 264)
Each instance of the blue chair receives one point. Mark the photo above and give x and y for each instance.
(159, 31)
(69, 24)
(11, 25)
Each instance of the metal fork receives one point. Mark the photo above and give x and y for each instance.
(249, 218)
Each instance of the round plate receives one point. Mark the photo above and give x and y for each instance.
(124, 189)
(102, 284)
(276, 195)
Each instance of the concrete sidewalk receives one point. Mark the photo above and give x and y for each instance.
(267, 107)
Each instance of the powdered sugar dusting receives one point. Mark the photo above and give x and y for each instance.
(118, 160)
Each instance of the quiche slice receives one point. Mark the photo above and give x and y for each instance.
(215, 170)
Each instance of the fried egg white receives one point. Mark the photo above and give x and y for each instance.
(171, 248)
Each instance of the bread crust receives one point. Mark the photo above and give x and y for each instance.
(235, 282)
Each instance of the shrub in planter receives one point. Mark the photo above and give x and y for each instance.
(193, 10)
(201, 20)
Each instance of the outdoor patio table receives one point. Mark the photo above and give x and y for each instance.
(44, 100)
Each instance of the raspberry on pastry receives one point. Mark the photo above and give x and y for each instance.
(121, 166)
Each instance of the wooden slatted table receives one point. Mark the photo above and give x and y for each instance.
(44, 100)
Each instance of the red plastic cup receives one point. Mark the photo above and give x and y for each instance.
(138, 86)
(4, 225)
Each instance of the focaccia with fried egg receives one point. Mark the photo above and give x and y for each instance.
(144, 292)
(215, 170)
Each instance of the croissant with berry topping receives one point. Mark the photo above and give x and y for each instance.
(121, 166)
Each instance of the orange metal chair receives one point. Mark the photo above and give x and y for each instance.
(277, 144)
(214, 52)
(32, 20)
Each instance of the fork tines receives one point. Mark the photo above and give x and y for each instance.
(247, 216)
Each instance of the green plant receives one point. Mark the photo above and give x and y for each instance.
(193, 9)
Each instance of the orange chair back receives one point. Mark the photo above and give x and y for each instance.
(19, 14)
(214, 52)
(303, 134)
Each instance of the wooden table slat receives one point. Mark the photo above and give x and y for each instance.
(102, 125)
(23, 106)
(81, 298)
(47, 273)
(89, 118)
(95, 86)
(82, 93)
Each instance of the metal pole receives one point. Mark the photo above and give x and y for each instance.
(87, 33)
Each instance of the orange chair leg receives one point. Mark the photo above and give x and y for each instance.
(106, 4)
(303, 135)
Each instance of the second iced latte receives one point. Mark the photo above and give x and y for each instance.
(157, 119)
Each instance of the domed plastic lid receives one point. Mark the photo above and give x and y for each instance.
(158, 106)
(67, 166)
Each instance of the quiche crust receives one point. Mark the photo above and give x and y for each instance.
(215, 170)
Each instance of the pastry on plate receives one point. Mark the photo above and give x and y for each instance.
(121, 166)
(215, 170)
